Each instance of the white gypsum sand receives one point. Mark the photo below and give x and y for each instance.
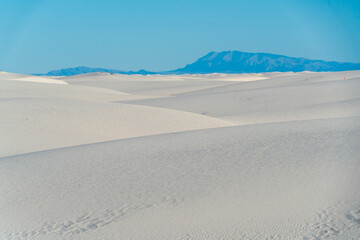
(28, 78)
(219, 156)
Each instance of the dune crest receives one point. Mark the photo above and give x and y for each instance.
(29, 78)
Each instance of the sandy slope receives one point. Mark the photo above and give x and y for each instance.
(181, 170)
(301, 97)
(285, 180)
(28, 78)
(30, 124)
(159, 85)
(21, 89)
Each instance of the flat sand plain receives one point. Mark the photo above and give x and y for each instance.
(215, 156)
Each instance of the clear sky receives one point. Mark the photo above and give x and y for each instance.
(41, 35)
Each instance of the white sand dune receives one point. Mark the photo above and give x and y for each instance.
(249, 156)
(159, 85)
(17, 89)
(308, 96)
(61, 123)
(28, 78)
(286, 180)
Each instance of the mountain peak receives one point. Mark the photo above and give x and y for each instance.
(244, 62)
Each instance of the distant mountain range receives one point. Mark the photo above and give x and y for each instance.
(232, 62)
(243, 62)
(82, 70)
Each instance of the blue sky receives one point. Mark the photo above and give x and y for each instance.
(41, 35)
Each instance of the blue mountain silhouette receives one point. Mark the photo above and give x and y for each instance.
(83, 70)
(233, 62)
(243, 62)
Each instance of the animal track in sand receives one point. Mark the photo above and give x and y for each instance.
(325, 226)
(330, 223)
(354, 215)
(83, 223)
